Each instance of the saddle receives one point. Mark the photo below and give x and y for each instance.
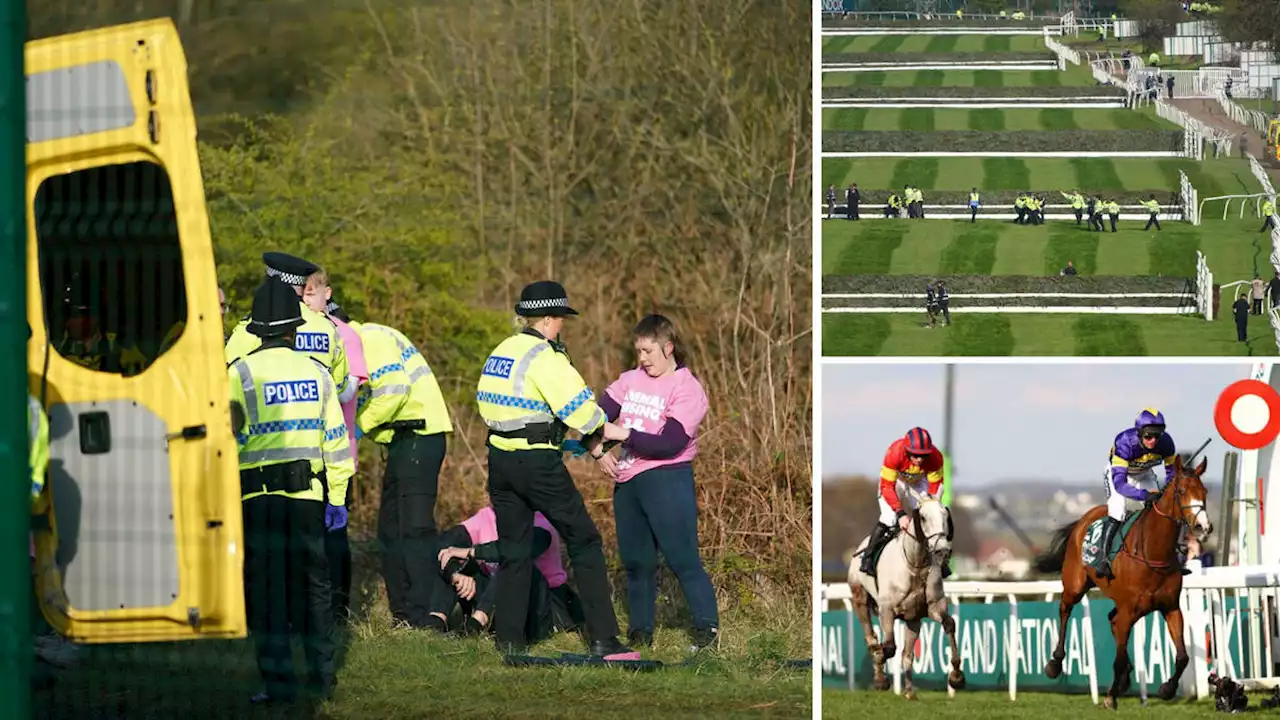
(1090, 551)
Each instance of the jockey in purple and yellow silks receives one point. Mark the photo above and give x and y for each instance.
(1131, 473)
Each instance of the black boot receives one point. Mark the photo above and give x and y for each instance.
(1109, 527)
(878, 536)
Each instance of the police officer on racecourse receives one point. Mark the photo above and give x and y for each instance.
(293, 443)
(530, 395)
(318, 337)
(402, 409)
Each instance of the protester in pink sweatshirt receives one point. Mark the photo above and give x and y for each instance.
(469, 561)
(659, 406)
(318, 296)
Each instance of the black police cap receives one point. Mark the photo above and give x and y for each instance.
(276, 309)
(288, 268)
(545, 297)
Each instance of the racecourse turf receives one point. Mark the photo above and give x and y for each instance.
(1234, 249)
(989, 119)
(957, 78)
(935, 705)
(832, 44)
(877, 175)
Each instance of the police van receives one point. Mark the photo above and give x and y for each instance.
(139, 535)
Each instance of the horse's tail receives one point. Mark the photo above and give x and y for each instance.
(1051, 560)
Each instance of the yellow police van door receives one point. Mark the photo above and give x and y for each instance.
(139, 536)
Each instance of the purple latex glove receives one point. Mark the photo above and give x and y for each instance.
(335, 518)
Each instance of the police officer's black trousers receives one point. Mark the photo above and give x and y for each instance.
(337, 547)
(1242, 328)
(407, 524)
(520, 483)
(1152, 221)
(286, 579)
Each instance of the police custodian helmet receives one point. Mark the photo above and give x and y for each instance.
(276, 310)
(287, 268)
(543, 298)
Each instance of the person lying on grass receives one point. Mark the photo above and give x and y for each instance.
(470, 562)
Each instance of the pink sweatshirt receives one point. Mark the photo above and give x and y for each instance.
(359, 370)
(483, 528)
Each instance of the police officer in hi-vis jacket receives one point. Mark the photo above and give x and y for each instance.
(530, 395)
(294, 455)
(317, 337)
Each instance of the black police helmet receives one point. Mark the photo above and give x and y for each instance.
(276, 309)
(543, 298)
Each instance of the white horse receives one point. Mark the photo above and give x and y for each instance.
(908, 585)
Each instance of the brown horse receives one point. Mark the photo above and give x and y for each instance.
(1148, 577)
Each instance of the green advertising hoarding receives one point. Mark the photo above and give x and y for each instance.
(984, 632)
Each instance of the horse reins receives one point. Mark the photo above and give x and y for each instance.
(1180, 521)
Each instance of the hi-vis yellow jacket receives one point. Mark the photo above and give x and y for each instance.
(292, 413)
(526, 382)
(38, 437)
(318, 337)
(401, 385)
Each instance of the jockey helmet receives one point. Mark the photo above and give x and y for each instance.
(1150, 421)
(918, 441)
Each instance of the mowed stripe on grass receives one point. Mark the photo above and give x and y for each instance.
(833, 44)
(995, 119)
(981, 334)
(1233, 249)
(957, 78)
(1212, 177)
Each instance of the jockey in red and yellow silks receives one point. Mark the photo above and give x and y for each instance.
(914, 462)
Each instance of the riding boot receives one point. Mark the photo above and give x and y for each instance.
(1109, 527)
(878, 537)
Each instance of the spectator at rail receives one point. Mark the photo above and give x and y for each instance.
(1227, 88)
(1274, 288)
(1240, 309)
(1257, 294)
(831, 202)
(1197, 558)
(1070, 269)
(1125, 58)
(1168, 83)
(852, 198)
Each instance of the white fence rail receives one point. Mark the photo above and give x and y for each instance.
(1261, 174)
(1207, 625)
(1248, 118)
(1190, 199)
(1257, 199)
(1204, 287)
(1064, 53)
(1195, 133)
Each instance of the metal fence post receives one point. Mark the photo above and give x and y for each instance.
(15, 575)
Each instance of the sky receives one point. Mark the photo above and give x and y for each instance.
(1058, 421)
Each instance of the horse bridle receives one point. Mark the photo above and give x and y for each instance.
(949, 533)
(1180, 520)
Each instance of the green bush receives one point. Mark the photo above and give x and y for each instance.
(1010, 141)
(995, 199)
(1006, 284)
(1063, 93)
(923, 58)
